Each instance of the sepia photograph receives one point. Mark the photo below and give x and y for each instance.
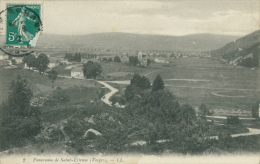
(130, 82)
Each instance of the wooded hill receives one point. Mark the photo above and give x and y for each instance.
(240, 47)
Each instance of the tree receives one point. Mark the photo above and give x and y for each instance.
(9, 57)
(248, 62)
(256, 55)
(19, 120)
(137, 85)
(77, 57)
(133, 60)
(52, 75)
(158, 84)
(130, 92)
(151, 135)
(20, 95)
(68, 56)
(105, 60)
(113, 140)
(225, 140)
(149, 61)
(42, 63)
(161, 105)
(187, 114)
(203, 110)
(26, 58)
(117, 59)
(233, 120)
(31, 61)
(255, 110)
(91, 69)
(110, 60)
(141, 81)
(13, 62)
(117, 99)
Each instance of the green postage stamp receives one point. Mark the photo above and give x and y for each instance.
(23, 25)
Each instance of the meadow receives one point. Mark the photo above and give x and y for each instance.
(219, 86)
(223, 88)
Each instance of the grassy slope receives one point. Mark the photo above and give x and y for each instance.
(39, 83)
(78, 97)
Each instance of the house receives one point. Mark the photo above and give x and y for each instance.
(160, 61)
(53, 62)
(77, 72)
(3, 56)
(140, 56)
(64, 61)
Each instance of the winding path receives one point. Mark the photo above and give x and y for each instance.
(106, 97)
(225, 117)
(251, 132)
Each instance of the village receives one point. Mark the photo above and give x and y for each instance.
(59, 59)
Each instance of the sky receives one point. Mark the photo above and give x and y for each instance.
(177, 18)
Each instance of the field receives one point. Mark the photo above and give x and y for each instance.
(219, 86)
(113, 68)
(226, 89)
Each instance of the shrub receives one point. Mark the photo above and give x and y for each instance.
(233, 120)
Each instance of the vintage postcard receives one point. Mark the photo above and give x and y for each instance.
(129, 82)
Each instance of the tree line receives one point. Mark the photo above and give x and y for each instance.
(76, 57)
(40, 63)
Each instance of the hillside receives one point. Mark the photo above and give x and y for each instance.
(126, 41)
(241, 47)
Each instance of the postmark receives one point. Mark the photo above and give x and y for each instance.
(23, 27)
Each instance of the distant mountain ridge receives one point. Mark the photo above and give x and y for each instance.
(127, 41)
(241, 47)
